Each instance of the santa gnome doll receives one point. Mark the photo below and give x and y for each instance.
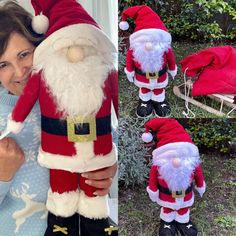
(75, 81)
(149, 59)
(175, 167)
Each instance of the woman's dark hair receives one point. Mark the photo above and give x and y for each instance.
(14, 18)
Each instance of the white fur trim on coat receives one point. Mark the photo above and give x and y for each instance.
(13, 126)
(167, 217)
(179, 149)
(182, 218)
(93, 207)
(158, 34)
(201, 190)
(130, 75)
(79, 163)
(152, 195)
(73, 34)
(178, 204)
(65, 204)
(153, 84)
(173, 73)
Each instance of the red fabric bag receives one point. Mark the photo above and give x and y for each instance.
(214, 68)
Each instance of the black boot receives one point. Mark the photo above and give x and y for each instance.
(61, 226)
(186, 229)
(162, 109)
(144, 109)
(167, 229)
(97, 227)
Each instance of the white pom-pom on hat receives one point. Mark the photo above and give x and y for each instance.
(40, 24)
(147, 137)
(123, 25)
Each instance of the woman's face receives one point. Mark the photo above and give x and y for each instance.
(16, 63)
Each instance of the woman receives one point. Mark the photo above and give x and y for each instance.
(23, 183)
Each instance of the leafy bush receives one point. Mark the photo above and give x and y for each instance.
(133, 167)
(195, 19)
(122, 53)
(128, 3)
(213, 134)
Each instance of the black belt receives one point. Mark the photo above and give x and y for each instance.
(59, 127)
(177, 193)
(160, 73)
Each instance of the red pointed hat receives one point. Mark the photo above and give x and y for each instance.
(67, 20)
(147, 22)
(172, 138)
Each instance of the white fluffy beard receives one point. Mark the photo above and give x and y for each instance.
(177, 178)
(76, 87)
(150, 61)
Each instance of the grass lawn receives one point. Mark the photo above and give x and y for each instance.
(128, 92)
(214, 214)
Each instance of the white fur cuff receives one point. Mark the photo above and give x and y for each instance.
(13, 126)
(130, 75)
(182, 218)
(168, 217)
(201, 190)
(93, 207)
(64, 204)
(173, 73)
(152, 195)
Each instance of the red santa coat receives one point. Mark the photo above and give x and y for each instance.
(141, 80)
(166, 200)
(56, 151)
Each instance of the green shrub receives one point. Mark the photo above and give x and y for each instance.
(133, 167)
(122, 53)
(213, 134)
(195, 19)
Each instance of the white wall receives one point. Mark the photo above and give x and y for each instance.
(27, 5)
(105, 12)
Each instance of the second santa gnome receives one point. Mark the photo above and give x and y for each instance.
(149, 59)
(75, 104)
(175, 166)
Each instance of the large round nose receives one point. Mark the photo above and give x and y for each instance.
(176, 162)
(148, 46)
(75, 54)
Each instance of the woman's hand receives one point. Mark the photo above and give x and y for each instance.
(101, 179)
(11, 159)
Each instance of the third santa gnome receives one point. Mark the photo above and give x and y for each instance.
(175, 167)
(149, 59)
(75, 81)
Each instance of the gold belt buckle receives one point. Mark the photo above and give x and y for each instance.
(178, 194)
(74, 122)
(152, 76)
